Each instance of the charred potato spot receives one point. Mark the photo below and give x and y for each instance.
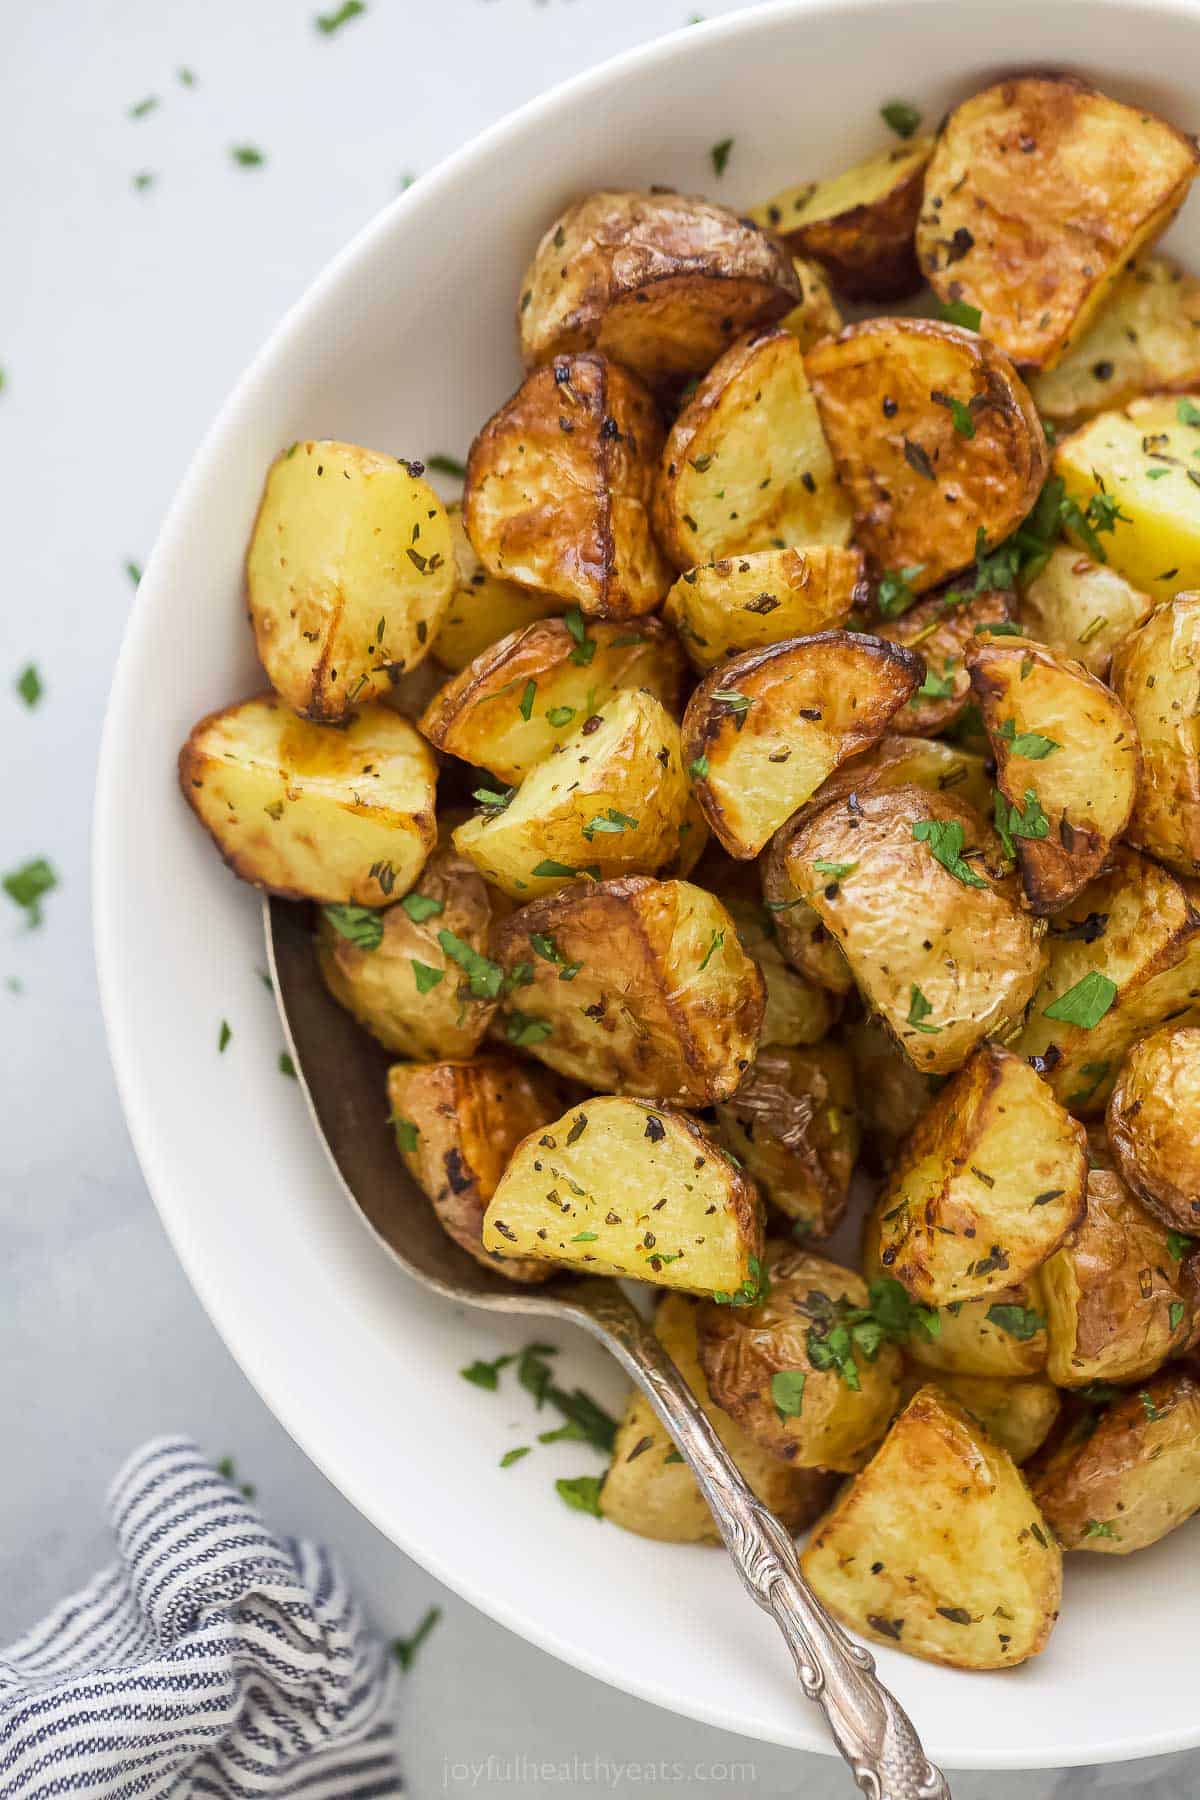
(1154, 1124)
(793, 1125)
(1145, 338)
(745, 602)
(1156, 672)
(942, 628)
(1081, 608)
(483, 608)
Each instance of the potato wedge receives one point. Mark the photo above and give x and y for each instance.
(349, 572)
(935, 439)
(817, 314)
(874, 864)
(1039, 193)
(1123, 958)
(943, 627)
(858, 225)
(1080, 608)
(634, 986)
(522, 698)
(558, 488)
(312, 814)
(1132, 1479)
(891, 1093)
(1017, 1415)
(1156, 672)
(650, 1489)
(616, 1187)
(611, 802)
(762, 731)
(746, 465)
(773, 1369)
(1067, 764)
(971, 1576)
(1144, 339)
(457, 1124)
(745, 602)
(793, 1125)
(483, 608)
(1154, 1124)
(798, 1011)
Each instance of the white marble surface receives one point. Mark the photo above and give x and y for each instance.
(125, 316)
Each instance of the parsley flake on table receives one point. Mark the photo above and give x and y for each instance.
(901, 116)
(405, 1649)
(142, 107)
(486, 1374)
(582, 1492)
(134, 572)
(328, 23)
(945, 840)
(29, 685)
(247, 156)
(27, 887)
(223, 1037)
(1086, 1003)
(720, 155)
(144, 178)
(287, 1066)
(514, 1455)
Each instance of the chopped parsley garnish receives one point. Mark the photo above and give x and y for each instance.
(1011, 822)
(787, 1391)
(514, 1455)
(836, 871)
(1152, 1412)
(29, 685)
(487, 1374)
(610, 821)
(522, 1029)
(960, 413)
(493, 799)
(585, 646)
(328, 23)
(405, 1649)
(937, 687)
(720, 155)
(27, 887)
(484, 978)
(1020, 1322)
(738, 704)
(525, 708)
(223, 1037)
(362, 926)
(582, 1492)
(919, 1010)
(134, 572)
(841, 1331)
(247, 156)
(756, 1286)
(698, 770)
(945, 840)
(1101, 514)
(143, 107)
(426, 977)
(1098, 1528)
(958, 312)
(1096, 1072)
(901, 116)
(420, 907)
(447, 465)
(550, 867)
(560, 715)
(185, 77)
(1030, 744)
(894, 595)
(287, 1066)
(1175, 1314)
(1187, 413)
(406, 1132)
(545, 946)
(714, 944)
(1086, 1003)
(1178, 1245)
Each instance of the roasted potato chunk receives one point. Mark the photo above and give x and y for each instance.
(483, 608)
(312, 814)
(1154, 1124)
(745, 602)
(873, 865)
(1117, 1303)
(798, 1011)
(650, 1489)
(1039, 192)
(457, 1124)
(1132, 1479)
(1156, 672)
(816, 1403)
(349, 572)
(935, 439)
(1080, 608)
(616, 1187)
(969, 1575)
(858, 225)
(558, 488)
(817, 314)
(986, 1187)
(1123, 958)
(762, 731)
(1144, 339)
(634, 986)
(1018, 1415)
(891, 1094)
(610, 803)
(1067, 764)
(662, 283)
(746, 465)
(522, 698)
(942, 627)
(793, 1125)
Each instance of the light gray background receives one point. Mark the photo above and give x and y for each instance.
(125, 317)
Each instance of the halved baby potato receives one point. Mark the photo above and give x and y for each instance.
(798, 1011)
(619, 1187)
(1156, 672)
(1154, 1124)
(660, 282)
(744, 602)
(793, 1125)
(1039, 193)
(891, 1094)
(1067, 764)
(310, 813)
(746, 465)
(816, 316)
(762, 731)
(634, 986)
(935, 438)
(943, 627)
(523, 697)
(457, 1124)
(1080, 608)
(938, 1548)
(609, 802)
(1017, 1415)
(1144, 339)
(558, 488)
(483, 608)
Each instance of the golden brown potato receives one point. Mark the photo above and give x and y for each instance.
(558, 488)
(1144, 339)
(634, 986)
(483, 608)
(942, 627)
(746, 465)
(522, 698)
(793, 1125)
(1132, 1479)
(891, 1093)
(1123, 958)
(874, 866)
(1018, 1415)
(798, 1011)
(662, 283)
(1154, 1124)
(1067, 764)
(349, 571)
(935, 439)
(650, 1489)
(617, 1187)
(457, 1124)
(1117, 1303)
(817, 315)
(858, 225)
(762, 731)
(1080, 608)
(310, 813)
(610, 803)
(745, 602)
(1039, 193)
(1156, 672)
(938, 1547)
(789, 1370)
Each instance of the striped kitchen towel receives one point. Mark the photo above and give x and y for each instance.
(212, 1658)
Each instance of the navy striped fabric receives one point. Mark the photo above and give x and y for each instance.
(212, 1658)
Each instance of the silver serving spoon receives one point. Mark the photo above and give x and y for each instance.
(341, 1071)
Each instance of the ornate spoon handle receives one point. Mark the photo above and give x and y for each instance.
(870, 1728)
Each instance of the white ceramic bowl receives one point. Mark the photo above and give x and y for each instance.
(406, 343)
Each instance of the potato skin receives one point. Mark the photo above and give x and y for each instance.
(1154, 1124)
(662, 283)
(1145, 338)
(793, 1124)
(858, 226)
(1156, 673)
(1018, 1415)
(798, 1012)
(745, 602)
(942, 634)
(1081, 608)
(817, 315)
